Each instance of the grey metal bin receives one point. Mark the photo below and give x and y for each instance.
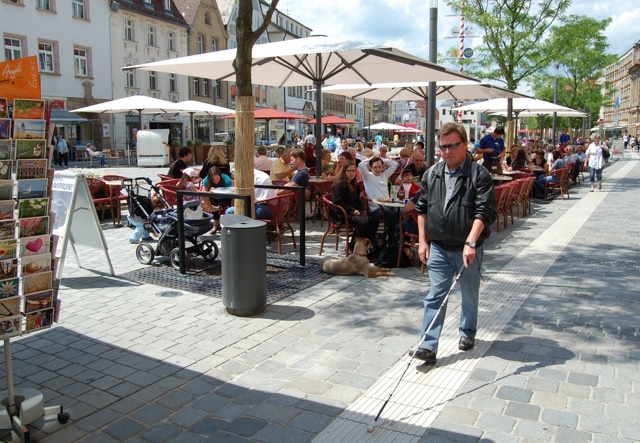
(244, 264)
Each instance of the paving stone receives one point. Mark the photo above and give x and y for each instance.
(208, 426)
(495, 423)
(461, 416)
(522, 410)
(583, 379)
(97, 420)
(151, 413)
(514, 394)
(161, 432)
(245, 426)
(123, 429)
(559, 418)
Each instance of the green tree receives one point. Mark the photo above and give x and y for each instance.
(246, 37)
(580, 64)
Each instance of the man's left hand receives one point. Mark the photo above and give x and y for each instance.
(468, 255)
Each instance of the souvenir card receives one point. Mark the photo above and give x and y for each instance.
(5, 149)
(37, 188)
(4, 110)
(6, 189)
(28, 227)
(34, 245)
(33, 264)
(9, 307)
(9, 287)
(26, 108)
(31, 149)
(33, 207)
(28, 169)
(29, 129)
(39, 319)
(5, 128)
(9, 268)
(10, 327)
(7, 229)
(5, 169)
(6, 209)
(9, 248)
(32, 283)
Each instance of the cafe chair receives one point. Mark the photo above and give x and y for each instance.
(517, 199)
(335, 229)
(169, 193)
(101, 200)
(408, 239)
(562, 185)
(281, 206)
(504, 203)
(382, 227)
(115, 192)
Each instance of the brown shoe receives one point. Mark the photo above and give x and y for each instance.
(466, 343)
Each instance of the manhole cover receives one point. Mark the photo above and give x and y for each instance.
(169, 294)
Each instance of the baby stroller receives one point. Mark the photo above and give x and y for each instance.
(164, 223)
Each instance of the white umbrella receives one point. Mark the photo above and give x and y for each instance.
(520, 104)
(569, 113)
(194, 107)
(383, 126)
(420, 90)
(311, 61)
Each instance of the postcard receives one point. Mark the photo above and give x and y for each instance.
(32, 283)
(33, 264)
(10, 327)
(5, 169)
(5, 128)
(27, 169)
(9, 268)
(33, 207)
(4, 110)
(25, 108)
(34, 245)
(8, 249)
(37, 188)
(29, 129)
(5, 149)
(6, 209)
(6, 189)
(39, 319)
(10, 307)
(31, 149)
(9, 287)
(7, 229)
(28, 227)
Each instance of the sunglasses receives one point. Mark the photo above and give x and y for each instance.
(450, 147)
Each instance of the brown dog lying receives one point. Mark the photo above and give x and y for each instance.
(356, 263)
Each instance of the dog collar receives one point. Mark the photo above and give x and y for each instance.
(361, 255)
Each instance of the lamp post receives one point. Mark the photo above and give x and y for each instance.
(431, 99)
(555, 101)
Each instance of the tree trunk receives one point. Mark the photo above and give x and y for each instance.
(244, 151)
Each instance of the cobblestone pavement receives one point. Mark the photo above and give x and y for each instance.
(556, 358)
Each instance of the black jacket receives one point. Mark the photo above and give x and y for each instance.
(450, 226)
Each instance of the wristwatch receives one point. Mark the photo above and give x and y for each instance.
(471, 244)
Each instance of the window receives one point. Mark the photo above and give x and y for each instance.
(196, 86)
(207, 18)
(167, 5)
(153, 81)
(128, 29)
(218, 89)
(45, 5)
(171, 41)
(214, 45)
(172, 83)
(46, 56)
(205, 87)
(12, 48)
(79, 9)
(131, 79)
(200, 44)
(81, 62)
(151, 36)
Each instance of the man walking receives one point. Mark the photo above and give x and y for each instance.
(62, 149)
(456, 209)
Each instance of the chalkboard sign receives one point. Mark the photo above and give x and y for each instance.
(75, 220)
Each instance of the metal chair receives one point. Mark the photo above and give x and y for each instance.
(281, 206)
(334, 228)
(408, 239)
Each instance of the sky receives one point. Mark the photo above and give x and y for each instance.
(404, 24)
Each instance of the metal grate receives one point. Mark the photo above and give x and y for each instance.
(285, 276)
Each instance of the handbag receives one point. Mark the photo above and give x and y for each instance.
(605, 154)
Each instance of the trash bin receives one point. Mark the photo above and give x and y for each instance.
(244, 264)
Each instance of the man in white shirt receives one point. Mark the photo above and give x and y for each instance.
(262, 209)
(262, 162)
(310, 139)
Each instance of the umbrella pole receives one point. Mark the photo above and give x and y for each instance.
(318, 85)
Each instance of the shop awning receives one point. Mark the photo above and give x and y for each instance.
(64, 117)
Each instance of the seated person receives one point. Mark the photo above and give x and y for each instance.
(301, 177)
(261, 194)
(346, 194)
(327, 164)
(572, 157)
(408, 186)
(555, 162)
(417, 167)
(190, 181)
(175, 170)
(96, 154)
(518, 159)
(262, 162)
(375, 172)
(280, 168)
(215, 179)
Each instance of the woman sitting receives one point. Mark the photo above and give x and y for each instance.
(519, 160)
(190, 181)
(555, 162)
(215, 157)
(346, 194)
(96, 154)
(215, 179)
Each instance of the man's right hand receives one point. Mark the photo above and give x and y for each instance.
(423, 251)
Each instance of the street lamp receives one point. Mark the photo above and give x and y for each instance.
(555, 101)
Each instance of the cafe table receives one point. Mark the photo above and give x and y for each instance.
(317, 186)
(501, 178)
(397, 207)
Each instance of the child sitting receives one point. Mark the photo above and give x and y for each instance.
(138, 219)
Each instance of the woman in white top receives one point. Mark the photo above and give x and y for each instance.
(595, 160)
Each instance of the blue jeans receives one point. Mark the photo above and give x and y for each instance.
(595, 174)
(262, 211)
(443, 266)
(139, 232)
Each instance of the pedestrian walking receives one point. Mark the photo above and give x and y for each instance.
(597, 153)
(456, 209)
(62, 151)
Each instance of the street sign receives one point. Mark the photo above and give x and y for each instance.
(468, 52)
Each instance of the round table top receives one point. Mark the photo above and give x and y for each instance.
(502, 178)
(318, 180)
(389, 204)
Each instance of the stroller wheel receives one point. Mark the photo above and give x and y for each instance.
(174, 258)
(208, 250)
(145, 254)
